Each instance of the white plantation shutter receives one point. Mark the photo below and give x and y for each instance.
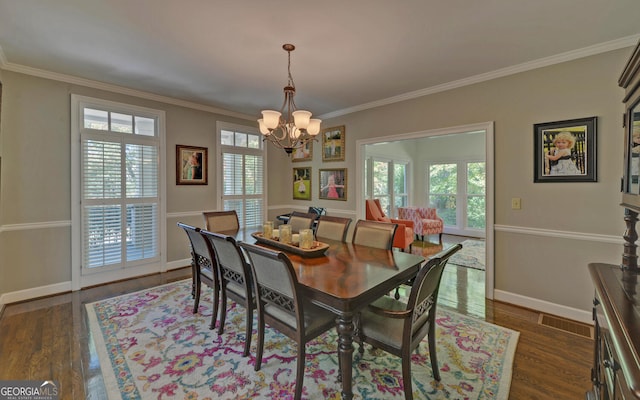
(119, 189)
(243, 175)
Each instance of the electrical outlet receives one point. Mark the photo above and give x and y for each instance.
(515, 203)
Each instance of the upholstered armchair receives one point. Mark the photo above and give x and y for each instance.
(425, 220)
(404, 234)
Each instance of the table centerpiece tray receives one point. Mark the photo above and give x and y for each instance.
(317, 249)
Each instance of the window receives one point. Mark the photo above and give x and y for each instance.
(457, 191)
(387, 181)
(242, 173)
(120, 184)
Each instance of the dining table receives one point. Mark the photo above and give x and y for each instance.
(346, 279)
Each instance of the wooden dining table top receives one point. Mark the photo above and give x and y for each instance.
(348, 277)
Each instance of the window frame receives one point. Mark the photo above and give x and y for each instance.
(461, 196)
(223, 148)
(82, 276)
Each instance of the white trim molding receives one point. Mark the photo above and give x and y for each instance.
(35, 292)
(591, 237)
(573, 314)
(35, 225)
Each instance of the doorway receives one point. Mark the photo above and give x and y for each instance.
(412, 149)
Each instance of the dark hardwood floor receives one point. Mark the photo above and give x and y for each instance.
(49, 339)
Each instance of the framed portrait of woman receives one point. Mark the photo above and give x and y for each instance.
(191, 165)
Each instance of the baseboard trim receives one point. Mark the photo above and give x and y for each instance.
(178, 264)
(33, 293)
(573, 314)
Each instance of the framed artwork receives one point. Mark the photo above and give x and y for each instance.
(333, 184)
(191, 165)
(333, 144)
(302, 183)
(304, 153)
(565, 151)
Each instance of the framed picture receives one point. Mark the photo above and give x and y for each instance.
(191, 165)
(304, 153)
(302, 183)
(565, 151)
(333, 184)
(333, 144)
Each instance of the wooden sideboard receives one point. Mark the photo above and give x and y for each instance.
(616, 313)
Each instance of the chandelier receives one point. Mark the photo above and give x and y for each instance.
(288, 128)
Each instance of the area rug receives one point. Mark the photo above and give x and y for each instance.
(471, 255)
(151, 346)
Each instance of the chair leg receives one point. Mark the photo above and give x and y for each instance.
(406, 377)
(216, 304)
(440, 238)
(300, 373)
(194, 273)
(248, 327)
(223, 309)
(260, 345)
(196, 299)
(432, 351)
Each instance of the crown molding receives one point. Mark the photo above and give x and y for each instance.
(4, 64)
(616, 44)
(528, 66)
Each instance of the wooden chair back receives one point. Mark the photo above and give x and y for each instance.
(332, 228)
(221, 221)
(374, 234)
(299, 220)
(204, 267)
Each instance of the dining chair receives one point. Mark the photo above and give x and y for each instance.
(374, 234)
(282, 305)
(398, 328)
(299, 220)
(221, 221)
(203, 268)
(332, 228)
(235, 280)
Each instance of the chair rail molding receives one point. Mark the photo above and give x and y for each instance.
(591, 237)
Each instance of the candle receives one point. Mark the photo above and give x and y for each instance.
(306, 238)
(267, 229)
(285, 233)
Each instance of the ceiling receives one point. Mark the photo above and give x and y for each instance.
(350, 55)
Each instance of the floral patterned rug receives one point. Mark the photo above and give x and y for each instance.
(471, 255)
(151, 346)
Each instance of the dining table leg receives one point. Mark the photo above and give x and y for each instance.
(345, 351)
